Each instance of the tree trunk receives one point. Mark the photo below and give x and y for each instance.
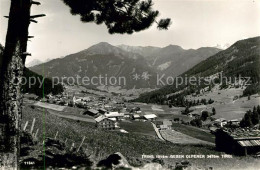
(11, 72)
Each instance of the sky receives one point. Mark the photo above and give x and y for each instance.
(195, 24)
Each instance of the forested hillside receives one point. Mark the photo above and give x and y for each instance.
(36, 86)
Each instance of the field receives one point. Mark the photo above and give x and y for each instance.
(226, 104)
(77, 117)
(180, 138)
(194, 132)
(152, 108)
(50, 106)
(174, 115)
(99, 144)
(144, 128)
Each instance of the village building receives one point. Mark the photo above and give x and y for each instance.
(91, 112)
(136, 117)
(164, 125)
(239, 141)
(106, 123)
(113, 118)
(102, 111)
(220, 122)
(107, 106)
(78, 101)
(167, 124)
(234, 122)
(150, 117)
(128, 115)
(117, 115)
(136, 109)
(213, 129)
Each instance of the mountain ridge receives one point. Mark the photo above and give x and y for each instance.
(104, 58)
(239, 60)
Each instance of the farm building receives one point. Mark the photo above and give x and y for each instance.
(80, 100)
(135, 110)
(107, 106)
(168, 124)
(103, 122)
(117, 115)
(163, 125)
(136, 117)
(91, 112)
(220, 122)
(239, 141)
(128, 115)
(150, 117)
(102, 111)
(234, 122)
(213, 129)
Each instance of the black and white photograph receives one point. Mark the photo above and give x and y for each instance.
(130, 84)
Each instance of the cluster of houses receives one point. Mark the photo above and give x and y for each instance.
(221, 122)
(78, 100)
(67, 99)
(81, 100)
(106, 112)
(61, 99)
(107, 119)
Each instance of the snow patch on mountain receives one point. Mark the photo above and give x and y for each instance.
(164, 66)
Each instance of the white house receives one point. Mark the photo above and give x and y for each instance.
(116, 115)
(150, 116)
(221, 122)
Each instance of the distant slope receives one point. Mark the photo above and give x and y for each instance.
(33, 63)
(172, 60)
(182, 60)
(242, 58)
